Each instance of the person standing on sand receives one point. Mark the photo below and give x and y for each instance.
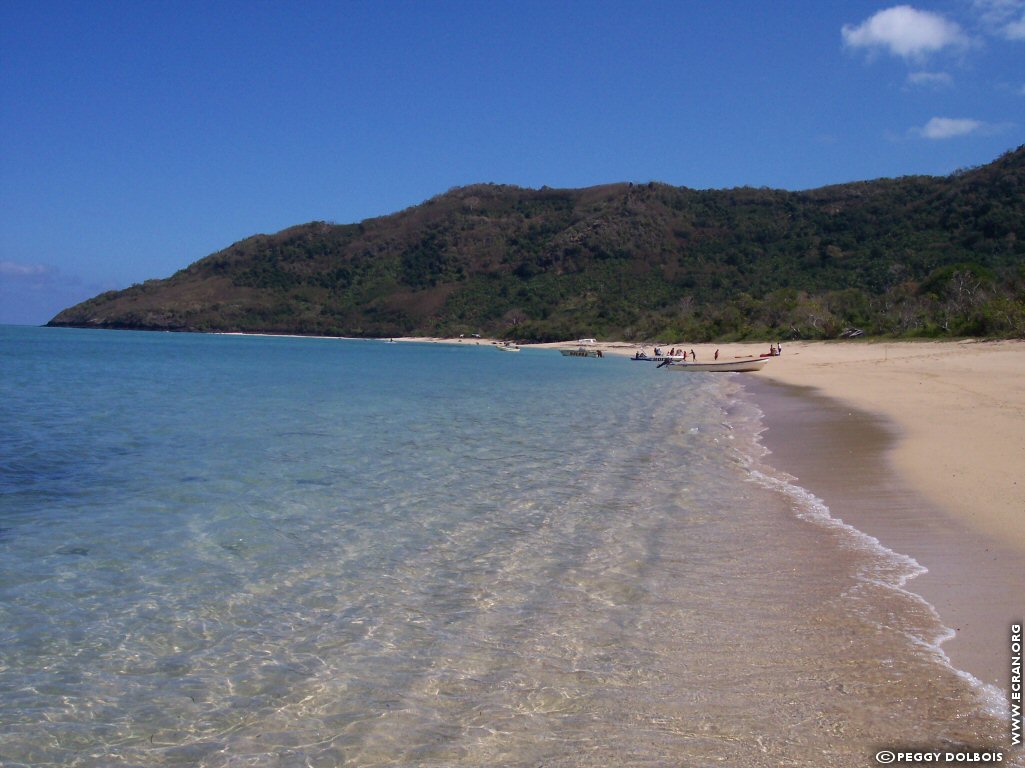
(693, 356)
(717, 354)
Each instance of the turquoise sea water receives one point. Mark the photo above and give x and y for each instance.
(225, 550)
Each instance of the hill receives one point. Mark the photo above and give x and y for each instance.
(914, 255)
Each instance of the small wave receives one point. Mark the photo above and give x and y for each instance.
(887, 568)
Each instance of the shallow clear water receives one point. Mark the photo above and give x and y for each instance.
(227, 551)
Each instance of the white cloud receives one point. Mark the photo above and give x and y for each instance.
(1005, 18)
(931, 79)
(950, 127)
(31, 294)
(15, 270)
(1016, 29)
(905, 31)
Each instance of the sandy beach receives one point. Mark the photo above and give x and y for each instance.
(922, 445)
(960, 412)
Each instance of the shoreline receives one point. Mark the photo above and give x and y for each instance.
(958, 409)
(919, 444)
(842, 455)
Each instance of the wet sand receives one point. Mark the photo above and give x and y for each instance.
(959, 413)
(842, 456)
(946, 484)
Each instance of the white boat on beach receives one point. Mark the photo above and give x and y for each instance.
(739, 365)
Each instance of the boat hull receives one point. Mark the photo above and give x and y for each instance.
(723, 366)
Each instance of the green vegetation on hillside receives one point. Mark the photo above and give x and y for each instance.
(915, 256)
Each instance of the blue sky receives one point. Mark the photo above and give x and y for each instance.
(138, 137)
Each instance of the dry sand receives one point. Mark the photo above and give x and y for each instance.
(959, 408)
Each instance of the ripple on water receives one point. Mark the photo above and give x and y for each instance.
(321, 562)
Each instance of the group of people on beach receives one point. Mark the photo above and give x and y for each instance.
(774, 350)
(674, 352)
